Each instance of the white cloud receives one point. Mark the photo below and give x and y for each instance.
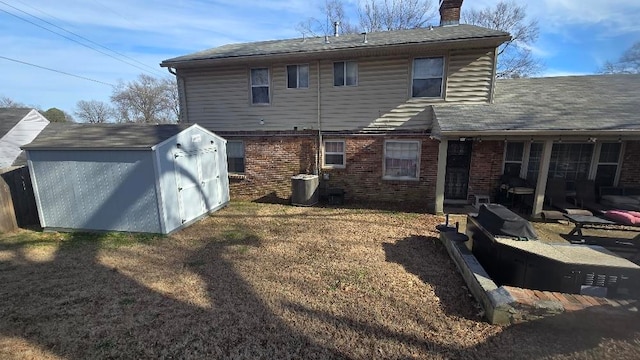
(561, 72)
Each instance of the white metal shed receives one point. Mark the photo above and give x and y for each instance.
(127, 177)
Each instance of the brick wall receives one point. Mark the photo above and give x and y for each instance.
(630, 172)
(486, 167)
(270, 161)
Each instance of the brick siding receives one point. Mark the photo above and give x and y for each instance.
(486, 167)
(630, 172)
(271, 160)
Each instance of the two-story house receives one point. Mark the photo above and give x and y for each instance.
(408, 116)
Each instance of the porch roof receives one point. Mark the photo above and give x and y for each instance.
(571, 105)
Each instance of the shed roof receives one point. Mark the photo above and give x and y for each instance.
(63, 136)
(9, 117)
(604, 103)
(439, 34)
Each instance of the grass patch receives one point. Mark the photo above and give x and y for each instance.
(31, 238)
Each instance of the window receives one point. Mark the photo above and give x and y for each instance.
(570, 161)
(535, 158)
(513, 158)
(334, 154)
(235, 157)
(345, 73)
(260, 86)
(401, 160)
(297, 76)
(427, 77)
(607, 164)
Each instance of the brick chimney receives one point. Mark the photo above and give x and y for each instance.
(450, 12)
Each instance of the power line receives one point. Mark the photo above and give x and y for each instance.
(74, 40)
(57, 71)
(72, 33)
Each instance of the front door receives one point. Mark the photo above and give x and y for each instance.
(457, 176)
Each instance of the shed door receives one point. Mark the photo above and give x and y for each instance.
(210, 178)
(190, 194)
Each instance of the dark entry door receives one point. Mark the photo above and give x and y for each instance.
(457, 177)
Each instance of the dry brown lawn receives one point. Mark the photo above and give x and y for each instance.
(273, 282)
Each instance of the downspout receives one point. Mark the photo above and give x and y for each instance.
(493, 75)
(182, 98)
(318, 152)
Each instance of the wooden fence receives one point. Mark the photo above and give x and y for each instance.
(20, 199)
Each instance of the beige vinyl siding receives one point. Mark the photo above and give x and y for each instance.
(218, 98)
(469, 75)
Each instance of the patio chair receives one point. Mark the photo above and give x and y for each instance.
(586, 197)
(556, 195)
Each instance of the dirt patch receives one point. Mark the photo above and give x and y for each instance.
(268, 281)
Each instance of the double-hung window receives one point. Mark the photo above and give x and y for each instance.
(428, 74)
(260, 86)
(297, 76)
(513, 159)
(401, 160)
(607, 165)
(345, 73)
(235, 157)
(334, 154)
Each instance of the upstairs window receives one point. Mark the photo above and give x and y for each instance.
(345, 73)
(297, 76)
(260, 86)
(334, 154)
(427, 77)
(235, 157)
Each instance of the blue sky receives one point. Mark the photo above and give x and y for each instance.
(576, 37)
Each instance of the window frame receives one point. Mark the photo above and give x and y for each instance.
(325, 153)
(597, 163)
(505, 161)
(442, 77)
(268, 86)
(418, 158)
(244, 158)
(297, 87)
(344, 73)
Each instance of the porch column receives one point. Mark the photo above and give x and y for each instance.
(440, 177)
(543, 173)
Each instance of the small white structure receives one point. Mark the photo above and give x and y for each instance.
(18, 126)
(127, 177)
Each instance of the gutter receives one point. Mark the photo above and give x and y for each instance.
(502, 133)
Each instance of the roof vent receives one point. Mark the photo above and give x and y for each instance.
(326, 39)
(336, 25)
(364, 37)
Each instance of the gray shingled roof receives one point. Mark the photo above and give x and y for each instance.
(9, 117)
(103, 136)
(351, 41)
(570, 103)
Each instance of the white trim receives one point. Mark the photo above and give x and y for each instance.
(324, 154)
(344, 69)
(384, 161)
(159, 198)
(36, 192)
(442, 78)
(286, 78)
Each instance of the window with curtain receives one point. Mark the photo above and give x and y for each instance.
(334, 154)
(402, 159)
(427, 79)
(260, 86)
(345, 73)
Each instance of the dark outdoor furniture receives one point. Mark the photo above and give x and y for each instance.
(586, 196)
(556, 195)
(581, 220)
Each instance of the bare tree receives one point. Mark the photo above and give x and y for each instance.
(144, 100)
(514, 57)
(173, 98)
(93, 111)
(373, 15)
(376, 15)
(628, 63)
(6, 102)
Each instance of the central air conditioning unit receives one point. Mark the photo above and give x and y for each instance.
(304, 190)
